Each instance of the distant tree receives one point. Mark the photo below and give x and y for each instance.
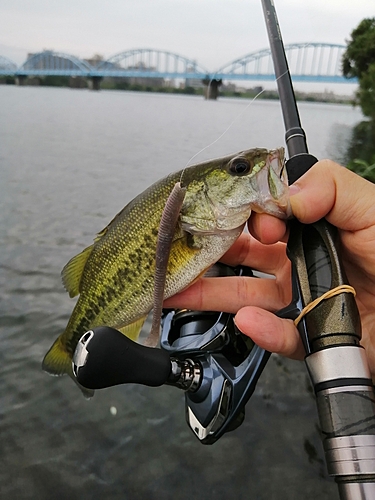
(359, 61)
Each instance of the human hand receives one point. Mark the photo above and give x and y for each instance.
(326, 190)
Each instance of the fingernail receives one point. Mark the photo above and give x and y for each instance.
(234, 321)
(294, 189)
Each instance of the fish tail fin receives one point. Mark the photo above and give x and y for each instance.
(58, 362)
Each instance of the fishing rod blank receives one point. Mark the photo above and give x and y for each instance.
(331, 332)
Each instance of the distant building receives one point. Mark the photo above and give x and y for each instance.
(144, 81)
(47, 60)
(95, 60)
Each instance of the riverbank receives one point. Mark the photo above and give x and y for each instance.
(228, 90)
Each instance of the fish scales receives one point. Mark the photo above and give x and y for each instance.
(122, 260)
(114, 277)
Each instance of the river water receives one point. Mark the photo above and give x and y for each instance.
(70, 160)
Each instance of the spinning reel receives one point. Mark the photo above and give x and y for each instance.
(202, 353)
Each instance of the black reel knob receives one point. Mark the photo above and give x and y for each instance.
(105, 357)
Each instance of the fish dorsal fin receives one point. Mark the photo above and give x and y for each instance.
(105, 230)
(102, 233)
(133, 329)
(72, 272)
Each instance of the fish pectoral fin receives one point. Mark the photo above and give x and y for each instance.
(200, 275)
(133, 329)
(72, 272)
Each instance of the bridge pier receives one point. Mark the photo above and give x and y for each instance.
(212, 88)
(94, 82)
(20, 79)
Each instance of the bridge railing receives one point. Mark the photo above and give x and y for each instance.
(149, 61)
(307, 62)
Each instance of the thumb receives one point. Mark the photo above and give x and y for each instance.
(332, 191)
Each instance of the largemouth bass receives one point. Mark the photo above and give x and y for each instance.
(114, 277)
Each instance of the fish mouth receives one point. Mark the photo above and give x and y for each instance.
(272, 182)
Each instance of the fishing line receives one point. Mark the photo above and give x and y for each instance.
(233, 121)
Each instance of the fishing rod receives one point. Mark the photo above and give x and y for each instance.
(330, 332)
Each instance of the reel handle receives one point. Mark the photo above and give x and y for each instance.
(104, 357)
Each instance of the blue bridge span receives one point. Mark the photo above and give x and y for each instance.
(308, 62)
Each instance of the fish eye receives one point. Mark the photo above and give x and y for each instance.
(239, 166)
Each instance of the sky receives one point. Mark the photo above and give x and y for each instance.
(212, 32)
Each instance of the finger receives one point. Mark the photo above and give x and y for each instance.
(229, 294)
(331, 191)
(266, 228)
(250, 252)
(270, 332)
